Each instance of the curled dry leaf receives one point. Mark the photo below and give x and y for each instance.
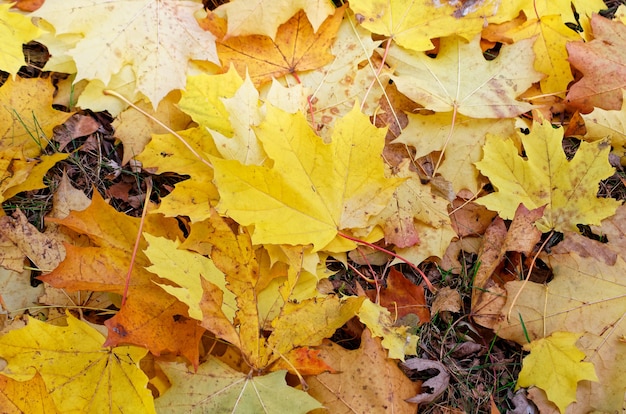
(438, 383)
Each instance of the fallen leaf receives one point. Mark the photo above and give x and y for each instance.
(546, 178)
(447, 300)
(79, 375)
(264, 16)
(15, 30)
(26, 114)
(554, 365)
(488, 294)
(603, 64)
(151, 317)
(415, 216)
(296, 48)
(44, 250)
(412, 23)
(585, 296)
(402, 297)
(217, 388)
(310, 198)
(384, 392)
(19, 397)
(438, 383)
(550, 35)
(167, 153)
(462, 138)
(156, 37)
(135, 129)
(460, 79)
(601, 123)
(396, 339)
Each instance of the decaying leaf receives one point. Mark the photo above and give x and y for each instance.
(438, 383)
(546, 178)
(384, 391)
(603, 62)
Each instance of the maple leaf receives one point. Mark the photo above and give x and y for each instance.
(186, 268)
(412, 23)
(603, 64)
(167, 153)
(305, 323)
(134, 129)
(202, 100)
(156, 37)
(396, 339)
(15, 30)
(601, 123)
(461, 137)
(151, 317)
(244, 114)
(264, 16)
(79, 375)
(567, 188)
(18, 173)
(554, 365)
(306, 199)
(345, 79)
(18, 397)
(578, 14)
(551, 36)
(586, 296)
(26, 115)
(296, 48)
(217, 388)
(461, 79)
(416, 217)
(385, 390)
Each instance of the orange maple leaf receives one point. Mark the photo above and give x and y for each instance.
(150, 318)
(296, 48)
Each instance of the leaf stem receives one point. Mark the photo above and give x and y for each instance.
(397, 256)
(139, 234)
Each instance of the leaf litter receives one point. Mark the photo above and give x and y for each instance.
(260, 318)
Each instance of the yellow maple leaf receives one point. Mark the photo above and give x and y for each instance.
(19, 397)
(412, 23)
(555, 366)
(396, 339)
(166, 153)
(602, 123)
(217, 388)
(314, 189)
(583, 10)
(305, 323)
(79, 374)
(155, 37)
(462, 141)
(461, 79)
(202, 99)
(586, 296)
(186, 268)
(26, 115)
(264, 16)
(567, 188)
(15, 30)
(550, 53)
